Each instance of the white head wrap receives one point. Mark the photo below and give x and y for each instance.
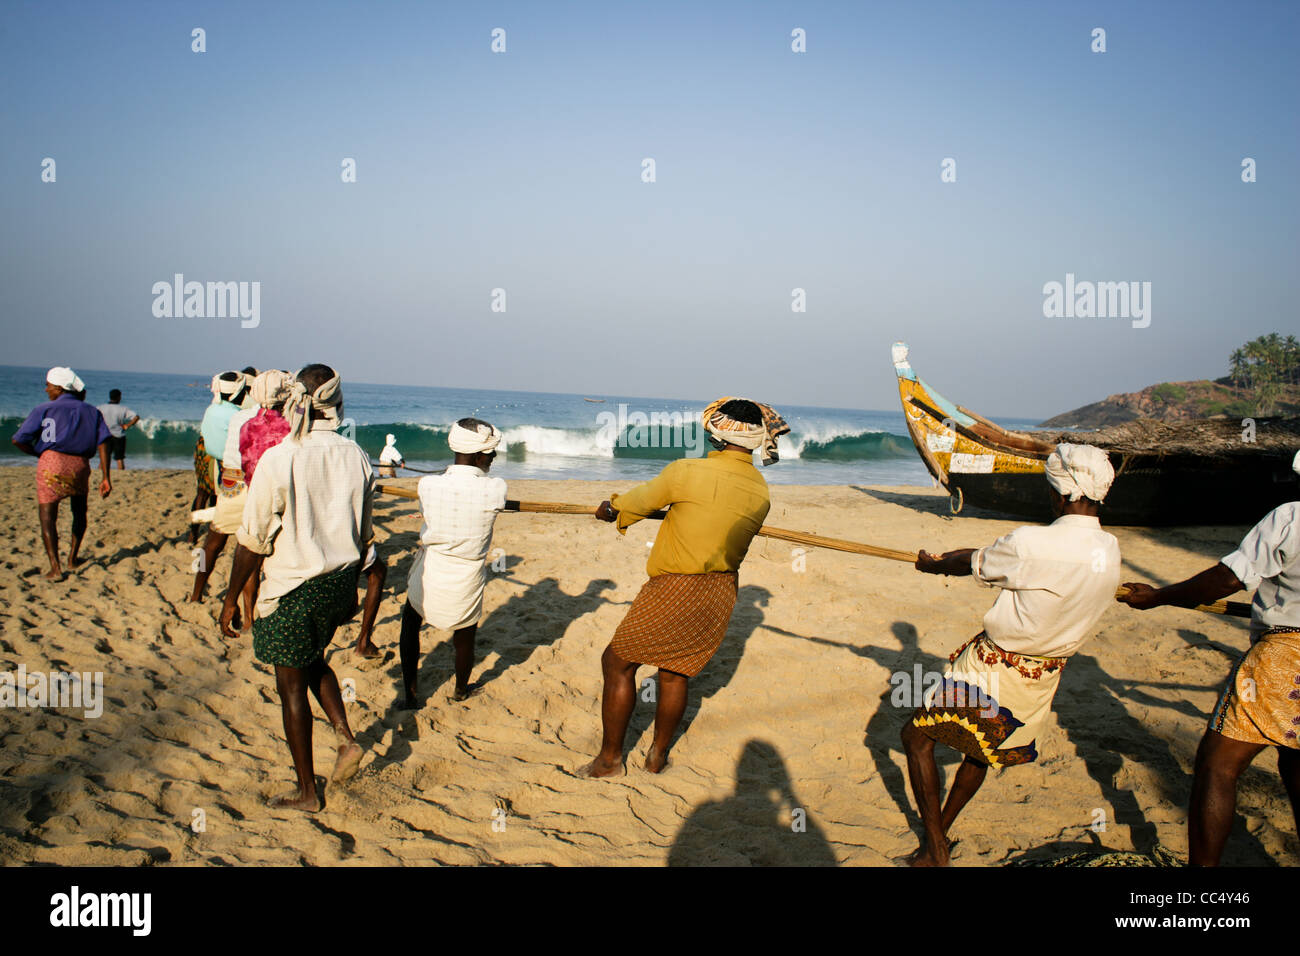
(1295, 463)
(64, 377)
(469, 441)
(271, 388)
(390, 440)
(1080, 471)
(226, 390)
(327, 399)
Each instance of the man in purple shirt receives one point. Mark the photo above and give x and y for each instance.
(62, 434)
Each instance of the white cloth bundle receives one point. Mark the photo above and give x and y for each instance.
(468, 441)
(1079, 471)
(328, 399)
(272, 388)
(64, 377)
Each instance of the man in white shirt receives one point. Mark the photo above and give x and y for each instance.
(390, 459)
(1056, 582)
(1260, 703)
(118, 418)
(306, 523)
(446, 583)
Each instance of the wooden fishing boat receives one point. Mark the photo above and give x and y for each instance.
(1211, 471)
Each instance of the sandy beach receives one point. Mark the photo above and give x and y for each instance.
(792, 721)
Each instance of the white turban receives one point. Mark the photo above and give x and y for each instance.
(390, 440)
(1295, 463)
(64, 377)
(327, 398)
(271, 388)
(1080, 471)
(227, 389)
(468, 441)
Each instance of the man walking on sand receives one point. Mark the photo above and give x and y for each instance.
(118, 418)
(679, 618)
(62, 434)
(306, 525)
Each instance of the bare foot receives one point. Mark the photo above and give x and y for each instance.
(465, 693)
(75, 563)
(54, 574)
(366, 650)
(655, 760)
(600, 768)
(924, 856)
(294, 800)
(409, 702)
(348, 762)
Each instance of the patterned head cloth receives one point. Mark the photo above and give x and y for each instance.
(1079, 471)
(725, 428)
(272, 388)
(327, 398)
(468, 441)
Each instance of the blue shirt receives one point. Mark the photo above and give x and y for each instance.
(214, 427)
(66, 425)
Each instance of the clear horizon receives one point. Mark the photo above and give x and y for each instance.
(775, 171)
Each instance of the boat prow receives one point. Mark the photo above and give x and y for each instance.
(983, 464)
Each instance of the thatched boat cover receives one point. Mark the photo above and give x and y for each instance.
(1216, 437)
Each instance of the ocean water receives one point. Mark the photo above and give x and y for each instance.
(545, 435)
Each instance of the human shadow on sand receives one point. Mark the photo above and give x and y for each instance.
(1089, 709)
(534, 618)
(761, 823)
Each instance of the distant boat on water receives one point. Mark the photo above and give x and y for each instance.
(1166, 473)
(598, 401)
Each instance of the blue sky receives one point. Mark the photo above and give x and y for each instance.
(775, 170)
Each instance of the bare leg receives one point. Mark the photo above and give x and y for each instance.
(617, 702)
(923, 773)
(291, 684)
(409, 652)
(212, 546)
(79, 525)
(376, 575)
(463, 641)
(970, 777)
(325, 688)
(1288, 766)
(49, 515)
(668, 715)
(1220, 761)
(201, 500)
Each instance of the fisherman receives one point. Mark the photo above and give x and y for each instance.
(680, 616)
(62, 434)
(307, 523)
(390, 459)
(231, 390)
(1260, 703)
(448, 577)
(1056, 582)
(118, 418)
(267, 426)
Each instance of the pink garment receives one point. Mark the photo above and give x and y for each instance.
(264, 430)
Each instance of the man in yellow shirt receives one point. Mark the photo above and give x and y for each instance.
(680, 616)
